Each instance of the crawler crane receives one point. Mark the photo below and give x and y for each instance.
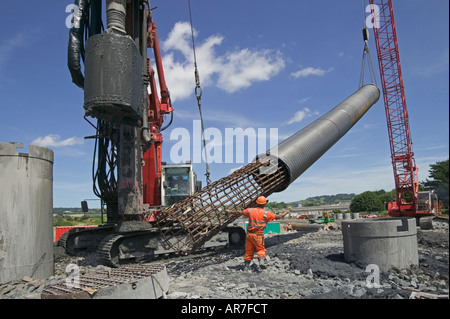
(410, 202)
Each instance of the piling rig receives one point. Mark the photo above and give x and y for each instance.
(121, 92)
(128, 138)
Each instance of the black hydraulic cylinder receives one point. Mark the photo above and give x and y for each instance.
(113, 89)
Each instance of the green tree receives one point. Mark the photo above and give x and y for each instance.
(307, 203)
(387, 197)
(366, 202)
(439, 174)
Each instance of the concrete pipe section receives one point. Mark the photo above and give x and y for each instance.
(385, 242)
(26, 212)
(347, 216)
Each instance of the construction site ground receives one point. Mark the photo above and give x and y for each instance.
(303, 264)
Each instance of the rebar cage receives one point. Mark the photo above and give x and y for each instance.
(210, 210)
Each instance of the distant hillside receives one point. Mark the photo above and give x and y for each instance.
(310, 201)
(74, 210)
(317, 200)
(327, 199)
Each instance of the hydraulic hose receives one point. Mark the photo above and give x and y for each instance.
(75, 49)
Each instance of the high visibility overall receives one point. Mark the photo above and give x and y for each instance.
(257, 222)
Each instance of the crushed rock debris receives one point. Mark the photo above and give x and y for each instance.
(301, 264)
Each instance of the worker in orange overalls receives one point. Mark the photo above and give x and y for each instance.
(289, 227)
(257, 222)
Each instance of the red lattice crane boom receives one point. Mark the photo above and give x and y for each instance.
(409, 202)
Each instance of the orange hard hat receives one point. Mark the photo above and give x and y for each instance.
(261, 200)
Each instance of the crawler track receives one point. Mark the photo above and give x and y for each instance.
(83, 239)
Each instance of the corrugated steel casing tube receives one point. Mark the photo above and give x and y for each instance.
(200, 215)
(298, 152)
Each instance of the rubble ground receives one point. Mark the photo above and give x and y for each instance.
(310, 265)
(301, 265)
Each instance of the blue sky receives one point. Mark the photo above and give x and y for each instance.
(262, 64)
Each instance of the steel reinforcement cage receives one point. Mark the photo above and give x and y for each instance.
(207, 212)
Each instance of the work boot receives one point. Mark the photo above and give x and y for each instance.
(247, 265)
(262, 262)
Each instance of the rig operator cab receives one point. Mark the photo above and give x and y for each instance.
(178, 181)
(427, 202)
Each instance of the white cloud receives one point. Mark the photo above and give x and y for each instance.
(232, 170)
(235, 70)
(242, 68)
(303, 73)
(306, 99)
(300, 115)
(53, 140)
